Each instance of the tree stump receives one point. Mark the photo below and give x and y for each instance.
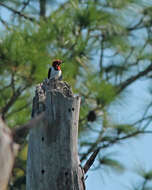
(53, 162)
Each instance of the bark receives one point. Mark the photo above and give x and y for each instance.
(53, 162)
(8, 151)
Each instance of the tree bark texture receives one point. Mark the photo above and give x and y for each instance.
(8, 152)
(53, 162)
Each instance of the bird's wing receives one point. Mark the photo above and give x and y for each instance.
(60, 78)
(49, 73)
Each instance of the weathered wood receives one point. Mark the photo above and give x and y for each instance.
(53, 162)
(8, 151)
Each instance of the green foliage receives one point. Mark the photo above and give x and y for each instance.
(125, 129)
(24, 54)
(145, 179)
(100, 90)
(148, 11)
(111, 163)
(147, 175)
(118, 4)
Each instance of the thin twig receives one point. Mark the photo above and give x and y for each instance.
(101, 54)
(19, 109)
(20, 132)
(12, 100)
(17, 12)
(4, 23)
(136, 26)
(112, 142)
(25, 4)
(130, 80)
(90, 161)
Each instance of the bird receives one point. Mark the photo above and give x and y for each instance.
(55, 70)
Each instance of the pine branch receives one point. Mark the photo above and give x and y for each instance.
(101, 54)
(112, 142)
(26, 105)
(17, 12)
(42, 8)
(11, 101)
(90, 161)
(144, 184)
(129, 81)
(118, 139)
(4, 23)
(20, 132)
(25, 4)
(136, 26)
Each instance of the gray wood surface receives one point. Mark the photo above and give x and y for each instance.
(53, 162)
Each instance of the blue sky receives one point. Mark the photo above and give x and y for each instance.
(134, 153)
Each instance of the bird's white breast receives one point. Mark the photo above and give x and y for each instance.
(55, 73)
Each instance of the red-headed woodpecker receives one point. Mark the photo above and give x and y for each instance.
(55, 71)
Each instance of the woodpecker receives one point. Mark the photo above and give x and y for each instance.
(55, 71)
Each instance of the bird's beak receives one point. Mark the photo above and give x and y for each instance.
(61, 63)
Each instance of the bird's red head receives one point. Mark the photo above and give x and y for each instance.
(56, 64)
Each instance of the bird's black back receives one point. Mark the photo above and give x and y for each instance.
(49, 73)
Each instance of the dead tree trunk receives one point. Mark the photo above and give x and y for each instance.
(53, 162)
(8, 152)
